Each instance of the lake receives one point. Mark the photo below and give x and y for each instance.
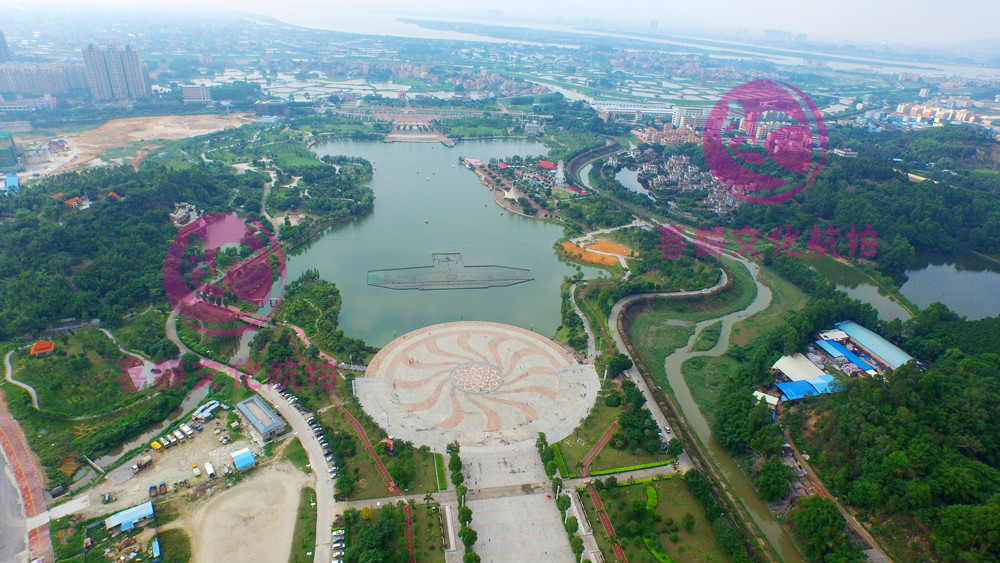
(859, 286)
(968, 284)
(425, 203)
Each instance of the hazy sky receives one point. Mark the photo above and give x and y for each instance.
(893, 21)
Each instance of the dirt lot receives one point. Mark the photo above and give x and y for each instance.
(170, 466)
(86, 146)
(253, 521)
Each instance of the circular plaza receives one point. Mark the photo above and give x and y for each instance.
(484, 385)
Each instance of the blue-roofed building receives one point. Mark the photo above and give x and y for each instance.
(130, 517)
(795, 390)
(822, 384)
(243, 459)
(828, 347)
(880, 349)
(264, 423)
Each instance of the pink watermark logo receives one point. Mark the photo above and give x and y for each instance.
(821, 241)
(764, 122)
(282, 374)
(213, 297)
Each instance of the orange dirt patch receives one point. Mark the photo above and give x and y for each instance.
(573, 251)
(68, 467)
(605, 245)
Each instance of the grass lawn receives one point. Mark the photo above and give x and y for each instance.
(442, 480)
(296, 453)
(610, 458)
(427, 533)
(674, 502)
(589, 432)
(369, 483)
(304, 540)
(175, 546)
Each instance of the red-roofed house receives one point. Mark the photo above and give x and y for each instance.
(502, 166)
(114, 195)
(58, 196)
(42, 347)
(72, 202)
(547, 164)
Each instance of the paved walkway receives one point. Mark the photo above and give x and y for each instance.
(591, 344)
(606, 522)
(8, 375)
(589, 458)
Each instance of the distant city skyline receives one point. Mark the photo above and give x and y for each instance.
(878, 21)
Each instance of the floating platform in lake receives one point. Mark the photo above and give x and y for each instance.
(448, 272)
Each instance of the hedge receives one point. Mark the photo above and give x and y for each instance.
(656, 553)
(651, 500)
(632, 467)
(561, 463)
(441, 474)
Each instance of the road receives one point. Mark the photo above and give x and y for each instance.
(591, 343)
(326, 506)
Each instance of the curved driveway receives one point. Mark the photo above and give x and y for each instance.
(8, 375)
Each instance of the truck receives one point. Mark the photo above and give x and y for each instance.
(152, 490)
(156, 446)
(209, 470)
(173, 441)
(143, 463)
(196, 469)
(179, 435)
(165, 442)
(187, 430)
(163, 487)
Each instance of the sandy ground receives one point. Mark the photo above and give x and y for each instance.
(253, 521)
(84, 147)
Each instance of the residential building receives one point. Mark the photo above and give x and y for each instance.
(116, 73)
(196, 94)
(41, 78)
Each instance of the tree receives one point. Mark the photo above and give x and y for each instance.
(366, 513)
(619, 364)
(460, 492)
(688, 522)
(457, 478)
(821, 527)
(470, 557)
(563, 503)
(468, 535)
(550, 468)
(345, 485)
(572, 525)
(464, 515)
(675, 447)
(455, 463)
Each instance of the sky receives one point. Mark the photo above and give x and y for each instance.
(873, 21)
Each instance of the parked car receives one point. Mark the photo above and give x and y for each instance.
(338, 532)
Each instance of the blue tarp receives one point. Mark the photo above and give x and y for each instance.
(851, 356)
(875, 344)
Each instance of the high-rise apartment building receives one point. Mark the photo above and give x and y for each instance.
(4, 49)
(116, 73)
(41, 78)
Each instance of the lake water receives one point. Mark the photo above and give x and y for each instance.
(859, 286)
(425, 203)
(967, 284)
(630, 179)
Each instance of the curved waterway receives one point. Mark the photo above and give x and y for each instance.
(719, 456)
(425, 203)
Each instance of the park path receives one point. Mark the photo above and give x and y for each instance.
(393, 489)
(9, 376)
(27, 473)
(597, 448)
(606, 522)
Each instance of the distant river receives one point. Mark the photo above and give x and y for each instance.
(426, 202)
